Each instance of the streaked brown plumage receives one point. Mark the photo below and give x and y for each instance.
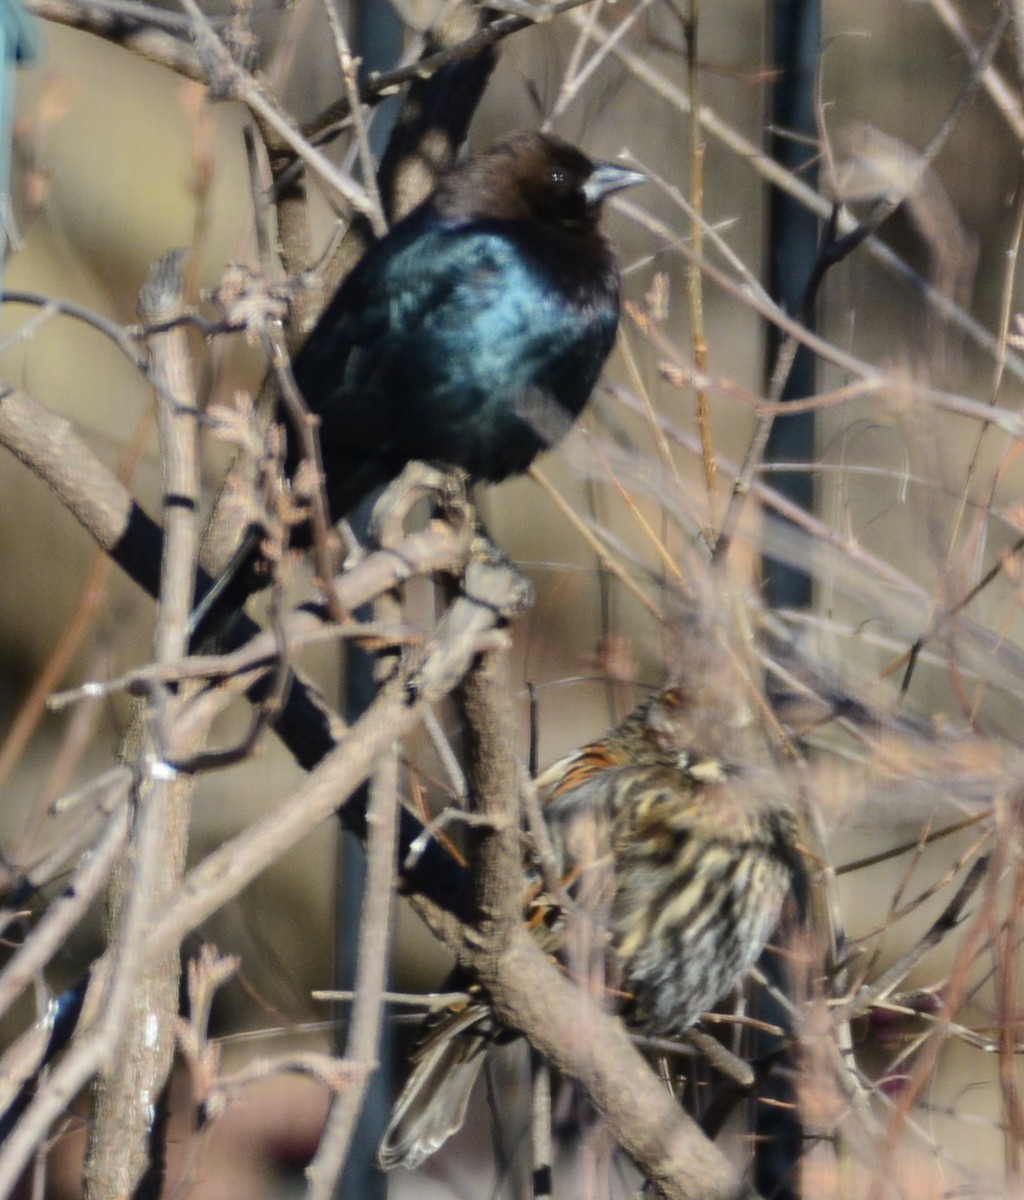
(679, 859)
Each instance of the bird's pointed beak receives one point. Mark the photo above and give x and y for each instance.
(608, 177)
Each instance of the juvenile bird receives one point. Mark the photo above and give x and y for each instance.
(473, 334)
(680, 858)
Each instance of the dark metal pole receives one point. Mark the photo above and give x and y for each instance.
(793, 247)
(793, 238)
(377, 39)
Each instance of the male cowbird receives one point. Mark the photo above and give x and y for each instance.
(679, 854)
(472, 334)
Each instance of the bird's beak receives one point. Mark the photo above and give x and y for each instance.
(608, 177)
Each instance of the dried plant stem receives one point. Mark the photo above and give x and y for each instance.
(755, 158)
(592, 540)
(694, 275)
(126, 1136)
(50, 934)
(1007, 948)
(371, 976)
(349, 67)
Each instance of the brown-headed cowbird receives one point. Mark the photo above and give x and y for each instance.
(678, 859)
(473, 334)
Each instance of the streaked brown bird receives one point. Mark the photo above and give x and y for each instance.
(678, 851)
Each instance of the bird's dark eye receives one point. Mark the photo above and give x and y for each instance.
(559, 199)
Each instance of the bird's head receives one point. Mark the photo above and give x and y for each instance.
(533, 177)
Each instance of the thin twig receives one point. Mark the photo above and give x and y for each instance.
(66, 911)
(349, 68)
(694, 277)
(371, 972)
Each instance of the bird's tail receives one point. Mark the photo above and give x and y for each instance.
(433, 1102)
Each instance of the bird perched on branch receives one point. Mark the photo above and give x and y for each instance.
(680, 856)
(473, 334)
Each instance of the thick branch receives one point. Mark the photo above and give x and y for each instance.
(565, 1024)
(126, 1142)
(493, 775)
(152, 34)
(530, 995)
